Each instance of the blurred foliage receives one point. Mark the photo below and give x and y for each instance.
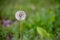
(42, 22)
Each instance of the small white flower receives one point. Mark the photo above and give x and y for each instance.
(20, 15)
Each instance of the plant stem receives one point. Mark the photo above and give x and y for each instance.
(20, 30)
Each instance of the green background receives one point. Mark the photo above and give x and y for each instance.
(42, 21)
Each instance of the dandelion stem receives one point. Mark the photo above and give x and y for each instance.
(20, 30)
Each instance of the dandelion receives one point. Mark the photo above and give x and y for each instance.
(20, 15)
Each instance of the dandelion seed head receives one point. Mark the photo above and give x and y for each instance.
(20, 15)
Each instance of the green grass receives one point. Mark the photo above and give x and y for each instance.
(40, 13)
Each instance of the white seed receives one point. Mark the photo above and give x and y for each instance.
(20, 15)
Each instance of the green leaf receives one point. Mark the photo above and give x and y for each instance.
(42, 32)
